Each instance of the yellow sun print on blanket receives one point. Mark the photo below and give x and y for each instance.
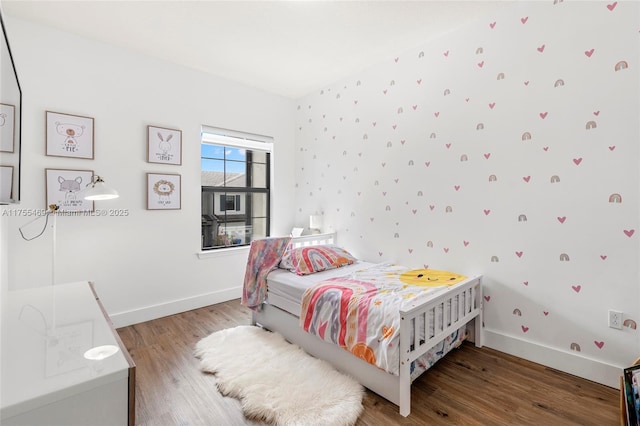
(431, 278)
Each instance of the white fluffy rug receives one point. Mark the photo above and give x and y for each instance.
(277, 381)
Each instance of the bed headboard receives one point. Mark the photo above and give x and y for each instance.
(313, 240)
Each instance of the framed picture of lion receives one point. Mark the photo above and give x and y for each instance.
(65, 189)
(163, 191)
(69, 135)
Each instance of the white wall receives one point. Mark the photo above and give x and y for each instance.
(384, 154)
(145, 264)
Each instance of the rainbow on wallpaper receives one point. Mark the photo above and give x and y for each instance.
(564, 257)
(447, 92)
(622, 65)
(410, 163)
(559, 83)
(526, 136)
(500, 76)
(432, 136)
(493, 178)
(420, 194)
(448, 209)
(591, 125)
(479, 50)
(555, 179)
(495, 259)
(480, 126)
(464, 157)
(575, 347)
(615, 198)
(522, 218)
(629, 323)
(430, 244)
(517, 312)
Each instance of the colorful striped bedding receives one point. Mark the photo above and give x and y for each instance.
(361, 312)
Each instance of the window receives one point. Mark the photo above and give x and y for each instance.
(235, 175)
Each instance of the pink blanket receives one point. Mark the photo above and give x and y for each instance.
(264, 256)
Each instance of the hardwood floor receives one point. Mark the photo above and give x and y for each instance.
(470, 386)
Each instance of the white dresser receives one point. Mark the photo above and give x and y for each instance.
(47, 377)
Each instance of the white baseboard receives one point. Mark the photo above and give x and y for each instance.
(148, 313)
(568, 362)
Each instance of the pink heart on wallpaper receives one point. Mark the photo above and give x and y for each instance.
(492, 104)
(446, 250)
(414, 211)
(524, 20)
(543, 115)
(396, 60)
(384, 164)
(374, 123)
(396, 180)
(577, 161)
(487, 298)
(525, 329)
(545, 313)
(402, 142)
(446, 53)
(525, 283)
(419, 81)
(492, 25)
(603, 257)
(541, 48)
(371, 219)
(486, 212)
(546, 148)
(562, 219)
(629, 233)
(519, 253)
(394, 126)
(481, 64)
(427, 163)
(456, 187)
(589, 52)
(526, 178)
(466, 243)
(612, 5)
(379, 253)
(487, 155)
(596, 113)
(611, 148)
(576, 288)
(431, 206)
(384, 91)
(384, 193)
(526, 83)
(359, 193)
(415, 107)
(359, 154)
(410, 251)
(599, 344)
(437, 114)
(448, 145)
(355, 102)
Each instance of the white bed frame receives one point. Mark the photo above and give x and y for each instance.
(438, 314)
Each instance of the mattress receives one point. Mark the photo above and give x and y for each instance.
(285, 289)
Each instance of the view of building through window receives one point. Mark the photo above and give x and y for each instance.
(235, 190)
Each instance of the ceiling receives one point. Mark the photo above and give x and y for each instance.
(290, 48)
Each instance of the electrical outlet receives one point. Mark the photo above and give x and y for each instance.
(615, 319)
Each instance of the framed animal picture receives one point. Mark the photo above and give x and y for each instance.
(164, 145)
(64, 188)
(69, 135)
(7, 127)
(163, 191)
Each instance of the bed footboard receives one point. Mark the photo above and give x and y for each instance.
(424, 324)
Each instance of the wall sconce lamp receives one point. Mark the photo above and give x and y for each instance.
(98, 190)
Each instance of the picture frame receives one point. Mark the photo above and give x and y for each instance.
(7, 127)
(6, 182)
(164, 145)
(164, 191)
(631, 379)
(64, 188)
(69, 135)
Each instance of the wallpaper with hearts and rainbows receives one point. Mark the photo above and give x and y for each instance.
(507, 148)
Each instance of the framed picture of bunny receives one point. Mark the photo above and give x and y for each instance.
(164, 145)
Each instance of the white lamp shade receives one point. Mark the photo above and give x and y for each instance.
(100, 191)
(315, 222)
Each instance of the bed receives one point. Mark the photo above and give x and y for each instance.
(429, 326)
